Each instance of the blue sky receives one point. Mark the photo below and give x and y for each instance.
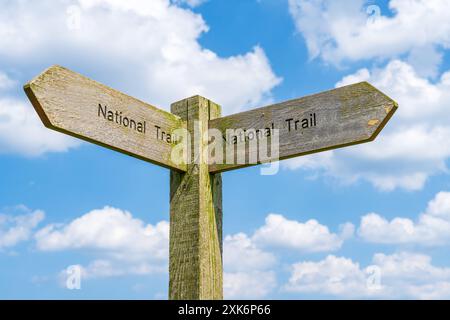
(369, 221)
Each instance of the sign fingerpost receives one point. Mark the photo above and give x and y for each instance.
(197, 144)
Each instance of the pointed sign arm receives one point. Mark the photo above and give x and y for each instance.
(332, 119)
(75, 105)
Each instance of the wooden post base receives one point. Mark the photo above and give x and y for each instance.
(195, 266)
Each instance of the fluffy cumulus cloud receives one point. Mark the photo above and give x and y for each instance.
(333, 275)
(430, 229)
(310, 236)
(400, 275)
(191, 3)
(122, 245)
(248, 285)
(240, 246)
(18, 227)
(411, 148)
(248, 270)
(21, 131)
(412, 41)
(126, 244)
(415, 28)
(5, 81)
(107, 268)
(250, 266)
(148, 49)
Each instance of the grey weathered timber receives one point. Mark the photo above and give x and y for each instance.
(75, 105)
(195, 267)
(333, 119)
(78, 106)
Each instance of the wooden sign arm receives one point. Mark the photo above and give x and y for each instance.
(83, 108)
(329, 120)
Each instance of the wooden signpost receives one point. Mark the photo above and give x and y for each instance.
(70, 103)
(210, 144)
(334, 119)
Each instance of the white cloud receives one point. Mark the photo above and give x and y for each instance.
(18, 228)
(413, 275)
(250, 270)
(111, 232)
(414, 145)
(191, 3)
(402, 275)
(99, 269)
(410, 149)
(332, 28)
(104, 268)
(426, 60)
(148, 49)
(248, 285)
(154, 53)
(431, 228)
(241, 254)
(310, 236)
(247, 269)
(333, 275)
(123, 245)
(21, 132)
(5, 81)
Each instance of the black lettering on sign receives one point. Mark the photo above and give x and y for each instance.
(166, 137)
(118, 118)
(298, 124)
(236, 136)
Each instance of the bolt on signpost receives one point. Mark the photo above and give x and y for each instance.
(197, 144)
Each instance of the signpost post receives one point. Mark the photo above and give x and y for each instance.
(197, 144)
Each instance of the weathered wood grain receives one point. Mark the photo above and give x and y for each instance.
(75, 105)
(345, 116)
(70, 103)
(195, 266)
